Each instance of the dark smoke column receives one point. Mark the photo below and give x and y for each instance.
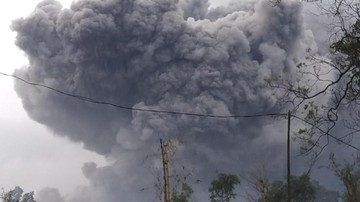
(159, 54)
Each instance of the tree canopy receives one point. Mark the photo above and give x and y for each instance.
(324, 93)
(222, 188)
(349, 174)
(302, 190)
(182, 196)
(17, 195)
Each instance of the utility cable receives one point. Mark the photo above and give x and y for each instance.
(91, 100)
(326, 133)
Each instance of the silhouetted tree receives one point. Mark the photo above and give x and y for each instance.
(302, 190)
(17, 195)
(349, 174)
(323, 194)
(184, 195)
(222, 188)
(325, 89)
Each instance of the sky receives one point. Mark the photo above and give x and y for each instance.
(66, 146)
(31, 156)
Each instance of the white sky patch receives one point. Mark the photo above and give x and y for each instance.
(30, 155)
(216, 3)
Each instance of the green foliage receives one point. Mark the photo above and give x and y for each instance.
(184, 195)
(325, 195)
(349, 47)
(337, 77)
(17, 195)
(302, 190)
(349, 43)
(349, 174)
(277, 192)
(222, 188)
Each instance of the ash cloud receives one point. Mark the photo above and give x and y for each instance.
(167, 55)
(49, 194)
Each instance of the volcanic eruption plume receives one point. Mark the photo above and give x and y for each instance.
(164, 55)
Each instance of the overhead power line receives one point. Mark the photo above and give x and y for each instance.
(326, 133)
(91, 100)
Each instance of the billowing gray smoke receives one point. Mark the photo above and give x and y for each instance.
(167, 55)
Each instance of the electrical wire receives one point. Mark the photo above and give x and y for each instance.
(90, 100)
(94, 101)
(326, 133)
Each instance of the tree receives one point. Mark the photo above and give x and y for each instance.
(259, 183)
(222, 188)
(263, 190)
(349, 174)
(323, 194)
(17, 195)
(325, 92)
(184, 195)
(302, 190)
